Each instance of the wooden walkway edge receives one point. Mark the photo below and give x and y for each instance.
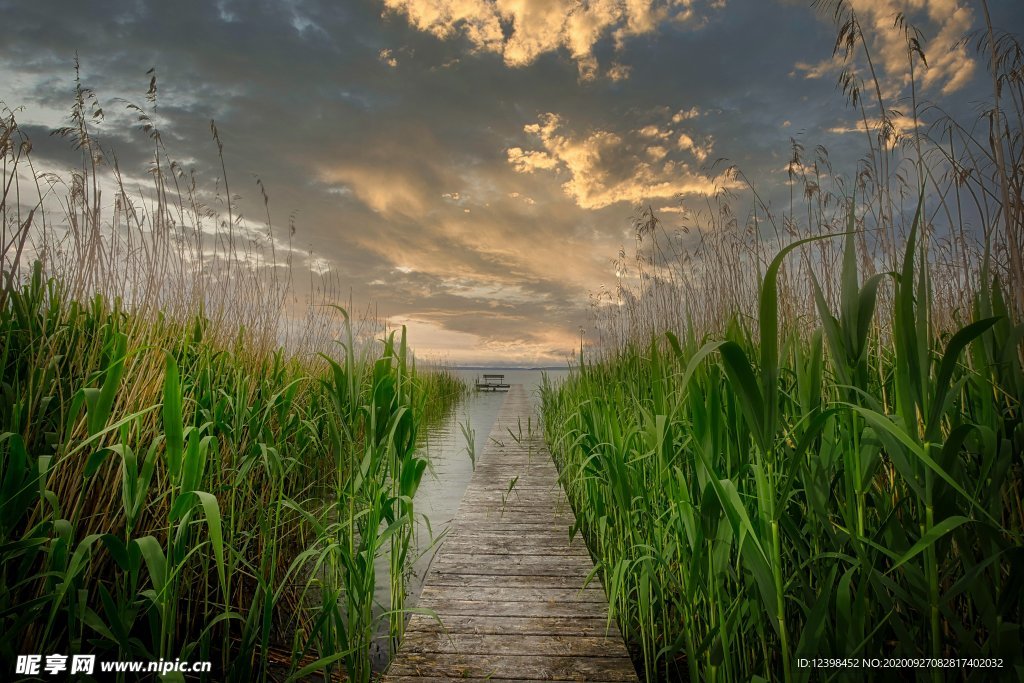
(507, 583)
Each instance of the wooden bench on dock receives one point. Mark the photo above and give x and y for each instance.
(492, 383)
(507, 582)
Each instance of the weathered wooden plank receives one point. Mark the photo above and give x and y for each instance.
(512, 547)
(537, 486)
(476, 545)
(528, 498)
(441, 679)
(521, 667)
(498, 608)
(539, 512)
(515, 507)
(517, 526)
(546, 520)
(512, 593)
(500, 492)
(517, 469)
(497, 517)
(515, 626)
(500, 644)
(436, 578)
(511, 531)
(527, 512)
(516, 466)
(512, 564)
(542, 540)
(495, 521)
(503, 457)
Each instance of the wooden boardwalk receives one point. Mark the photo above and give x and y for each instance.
(506, 583)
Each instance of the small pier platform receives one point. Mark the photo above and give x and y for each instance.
(506, 583)
(492, 383)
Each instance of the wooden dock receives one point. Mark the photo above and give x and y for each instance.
(492, 383)
(507, 584)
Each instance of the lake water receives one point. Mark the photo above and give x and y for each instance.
(449, 472)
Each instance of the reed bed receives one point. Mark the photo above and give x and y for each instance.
(800, 435)
(194, 465)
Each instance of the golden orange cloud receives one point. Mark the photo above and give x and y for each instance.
(950, 66)
(603, 167)
(540, 26)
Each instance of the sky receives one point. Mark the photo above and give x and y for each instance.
(472, 166)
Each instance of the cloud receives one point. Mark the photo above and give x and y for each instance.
(522, 30)
(894, 128)
(685, 114)
(379, 188)
(527, 161)
(522, 197)
(830, 67)
(945, 22)
(379, 137)
(700, 150)
(949, 65)
(444, 341)
(604, 167)
(619, 72)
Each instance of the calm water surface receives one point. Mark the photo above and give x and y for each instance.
(448, 474)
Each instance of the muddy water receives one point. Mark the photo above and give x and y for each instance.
(450, 469)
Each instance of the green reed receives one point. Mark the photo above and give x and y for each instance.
(809, 445)
(752, 503)
(162, 497)
(174, 482)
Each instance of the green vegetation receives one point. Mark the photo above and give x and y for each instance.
(755, 502)
(469, 434)
(173, 482)
(812, 447)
